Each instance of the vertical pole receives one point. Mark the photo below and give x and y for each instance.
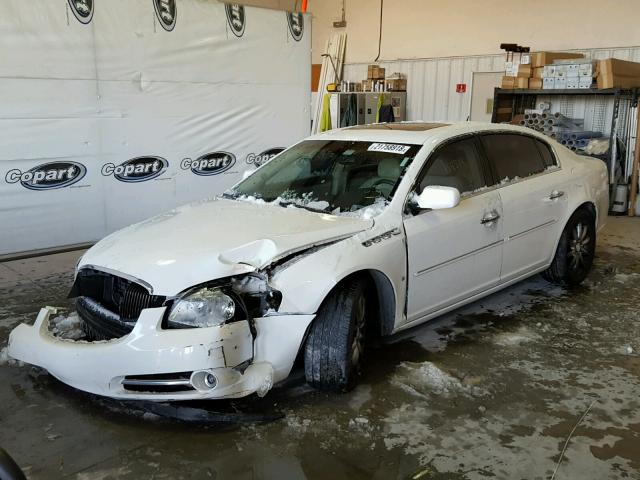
(635, 169)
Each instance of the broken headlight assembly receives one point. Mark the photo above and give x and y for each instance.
(217, 303)
(203, 307)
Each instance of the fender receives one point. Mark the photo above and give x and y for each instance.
(307, 282)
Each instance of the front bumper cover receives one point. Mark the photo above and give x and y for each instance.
(101, 367)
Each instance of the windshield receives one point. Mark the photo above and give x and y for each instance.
(340, 177)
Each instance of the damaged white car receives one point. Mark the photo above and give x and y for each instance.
(349, 234)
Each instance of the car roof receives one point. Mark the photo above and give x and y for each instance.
(417, 133)
(405, 126)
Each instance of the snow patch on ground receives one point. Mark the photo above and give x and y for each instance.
(513, 339)
(422, 379)
(67, 327)
(4, 356)
(625, 277)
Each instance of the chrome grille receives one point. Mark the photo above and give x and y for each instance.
(109, 304)
(134, 299)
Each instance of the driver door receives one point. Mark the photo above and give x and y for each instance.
(454, 253)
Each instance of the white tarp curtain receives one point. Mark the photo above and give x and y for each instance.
(87, 85)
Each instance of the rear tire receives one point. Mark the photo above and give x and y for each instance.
(333, 350)
(575, 252)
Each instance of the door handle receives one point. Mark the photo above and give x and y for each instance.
(489, 218)
(556, 194)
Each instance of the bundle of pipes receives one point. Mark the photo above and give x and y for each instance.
(577, 140)
(535, 121)
(563, 129)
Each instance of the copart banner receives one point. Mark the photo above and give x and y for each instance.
(114, 110)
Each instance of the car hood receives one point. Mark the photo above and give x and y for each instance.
(213, 239)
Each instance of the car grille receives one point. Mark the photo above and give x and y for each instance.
(110, 305)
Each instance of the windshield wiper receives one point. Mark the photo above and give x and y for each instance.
(283, 203)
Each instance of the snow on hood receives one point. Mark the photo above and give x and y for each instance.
(213, 239)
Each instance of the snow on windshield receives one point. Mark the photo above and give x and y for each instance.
(308, 202)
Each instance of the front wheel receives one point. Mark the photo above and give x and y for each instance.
(575, 252)
(333, 350)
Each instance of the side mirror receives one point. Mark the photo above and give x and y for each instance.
(437, 197)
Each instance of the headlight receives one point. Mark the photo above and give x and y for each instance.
(205, 307)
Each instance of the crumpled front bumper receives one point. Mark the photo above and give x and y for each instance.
(101, 367)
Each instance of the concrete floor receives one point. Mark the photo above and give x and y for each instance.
(493, 390)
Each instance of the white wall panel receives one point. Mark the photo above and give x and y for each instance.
(431, 82)
(121, 87)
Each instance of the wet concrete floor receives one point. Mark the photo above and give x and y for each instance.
(490, 391)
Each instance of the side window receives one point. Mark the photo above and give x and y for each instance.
(455, 165)
(513, 155)
(548, 158)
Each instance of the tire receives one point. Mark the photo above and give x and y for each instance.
(575, 252)
(334, 346)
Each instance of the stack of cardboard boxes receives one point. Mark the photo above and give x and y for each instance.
(568, 75)
(568, 71)
(529, 71)
(376, 81)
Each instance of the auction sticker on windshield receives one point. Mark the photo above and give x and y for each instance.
(388, 148)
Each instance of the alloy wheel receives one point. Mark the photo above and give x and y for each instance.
(357, 344)
(579, 246)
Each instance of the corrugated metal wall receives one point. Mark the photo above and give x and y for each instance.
(431, 82)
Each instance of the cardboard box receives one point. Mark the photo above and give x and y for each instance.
(614, 73)
(538, 72)
(367, 85)
(586, 70)
(540, 59)
(522, 82)
(573, 70)
(511, 69)
(573, 83)
(535, 83)
(560, 71)
(560, 83)
(508, 82)
(548, 83)
(525, 71)
(396, 84)
(374, 72)
(585, 82)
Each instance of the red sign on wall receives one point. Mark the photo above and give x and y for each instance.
(461, 87)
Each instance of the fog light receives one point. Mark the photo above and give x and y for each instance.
(210, 380)
(204, 380)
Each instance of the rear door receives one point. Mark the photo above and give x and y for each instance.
(534, 200)
(454, 253)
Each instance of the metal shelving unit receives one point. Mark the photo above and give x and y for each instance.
(509, 103)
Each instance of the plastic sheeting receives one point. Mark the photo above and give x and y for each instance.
(112, 111)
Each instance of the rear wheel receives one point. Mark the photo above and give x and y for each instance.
(334, 347)
(575, 252)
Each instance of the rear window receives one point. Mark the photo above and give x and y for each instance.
(548, 158)
(513, 156)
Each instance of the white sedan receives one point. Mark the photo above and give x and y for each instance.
(346, 235)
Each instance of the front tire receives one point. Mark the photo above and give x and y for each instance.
(333, 350)
(576, 250)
